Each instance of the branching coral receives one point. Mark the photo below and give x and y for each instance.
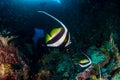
(5, 37)
(5, 40)
(9, 54)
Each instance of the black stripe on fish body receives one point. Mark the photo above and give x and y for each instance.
(65, 41)
(84, 63)
(57, 37)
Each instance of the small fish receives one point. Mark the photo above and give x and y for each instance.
(85, 62)
(58, 37)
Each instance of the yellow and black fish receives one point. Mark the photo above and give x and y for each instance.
(85, 61)
(58, 37)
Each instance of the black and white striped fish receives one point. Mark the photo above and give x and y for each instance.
(58, 37)
(85, 61)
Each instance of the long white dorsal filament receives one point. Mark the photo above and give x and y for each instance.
(53, 18)
(61, 40)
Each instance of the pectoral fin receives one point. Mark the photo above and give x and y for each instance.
(48, 37)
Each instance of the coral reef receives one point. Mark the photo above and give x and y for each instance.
(105, 62)
(107, 57)
(60, 64)
(9, 54)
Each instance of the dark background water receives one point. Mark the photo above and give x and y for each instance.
(89, 21)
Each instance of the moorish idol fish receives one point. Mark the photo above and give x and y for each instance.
(85, 61)
(58, 37)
